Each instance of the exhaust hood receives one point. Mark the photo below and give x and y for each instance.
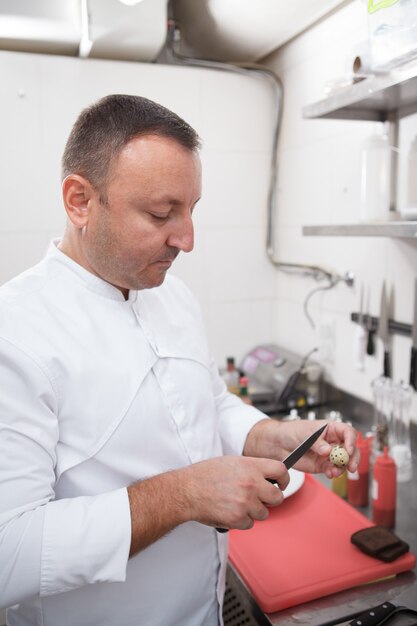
(222, 30)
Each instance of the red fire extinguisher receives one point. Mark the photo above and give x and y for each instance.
(384, 490)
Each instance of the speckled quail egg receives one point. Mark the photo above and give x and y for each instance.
(339, 457)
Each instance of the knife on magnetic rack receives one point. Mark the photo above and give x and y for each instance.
(413, 362)
(383, 331)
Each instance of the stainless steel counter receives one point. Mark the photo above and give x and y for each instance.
(401, 590)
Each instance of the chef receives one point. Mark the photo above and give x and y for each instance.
(121, 450)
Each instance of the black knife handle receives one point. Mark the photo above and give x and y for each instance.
(370, 346)
(387, 364)
(413, 368)
(374, 616)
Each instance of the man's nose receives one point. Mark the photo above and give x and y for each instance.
(182, 237)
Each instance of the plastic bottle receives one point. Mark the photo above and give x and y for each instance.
(340, 484)
(376, 179)
(244, 390)
(382, 392)
(358, 482)
(410, 210)
(384, 490)
(231, 376)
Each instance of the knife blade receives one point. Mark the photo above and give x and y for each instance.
(293, 457)
(383, 331)
(304, 446)
(413, 363)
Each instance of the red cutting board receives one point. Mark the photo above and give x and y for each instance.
(303, 550)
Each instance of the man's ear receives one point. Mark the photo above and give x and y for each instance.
(77, 193)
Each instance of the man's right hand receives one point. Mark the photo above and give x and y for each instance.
(232, 491)
(227, 492)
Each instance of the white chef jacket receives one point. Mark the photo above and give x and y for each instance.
(96, 393)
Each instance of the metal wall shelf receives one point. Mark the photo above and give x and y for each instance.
(372, 99)
(381, 98)
(388, 229)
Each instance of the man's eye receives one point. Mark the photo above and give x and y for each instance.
(159, 218)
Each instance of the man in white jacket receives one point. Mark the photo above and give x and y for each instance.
(120, 449)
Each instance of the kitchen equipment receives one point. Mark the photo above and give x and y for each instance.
(280, 380)
(293, 457)
(383, 331)
(413, 362)
(399, 431)
(303, 550)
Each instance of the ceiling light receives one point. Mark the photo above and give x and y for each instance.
(130, 3)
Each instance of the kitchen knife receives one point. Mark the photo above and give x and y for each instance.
(383, 331)
(360, 337)
(293, 457)
(375, 616)
(413, 363)
(370, 346)
(296, 454)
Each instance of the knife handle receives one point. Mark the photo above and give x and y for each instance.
(370, 346)
(413, 368)
(374, 616)
(387, 365)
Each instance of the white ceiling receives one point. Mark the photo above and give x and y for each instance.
(224, 30)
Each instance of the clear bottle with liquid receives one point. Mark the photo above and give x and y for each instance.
(399, 431)
(231, 376)
(382, 392)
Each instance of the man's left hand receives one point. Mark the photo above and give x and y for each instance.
(275, 439)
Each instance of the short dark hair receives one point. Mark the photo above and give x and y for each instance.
(105, 127)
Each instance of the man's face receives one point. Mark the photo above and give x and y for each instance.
(152, 188)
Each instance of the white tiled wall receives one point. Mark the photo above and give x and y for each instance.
(319, 183)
